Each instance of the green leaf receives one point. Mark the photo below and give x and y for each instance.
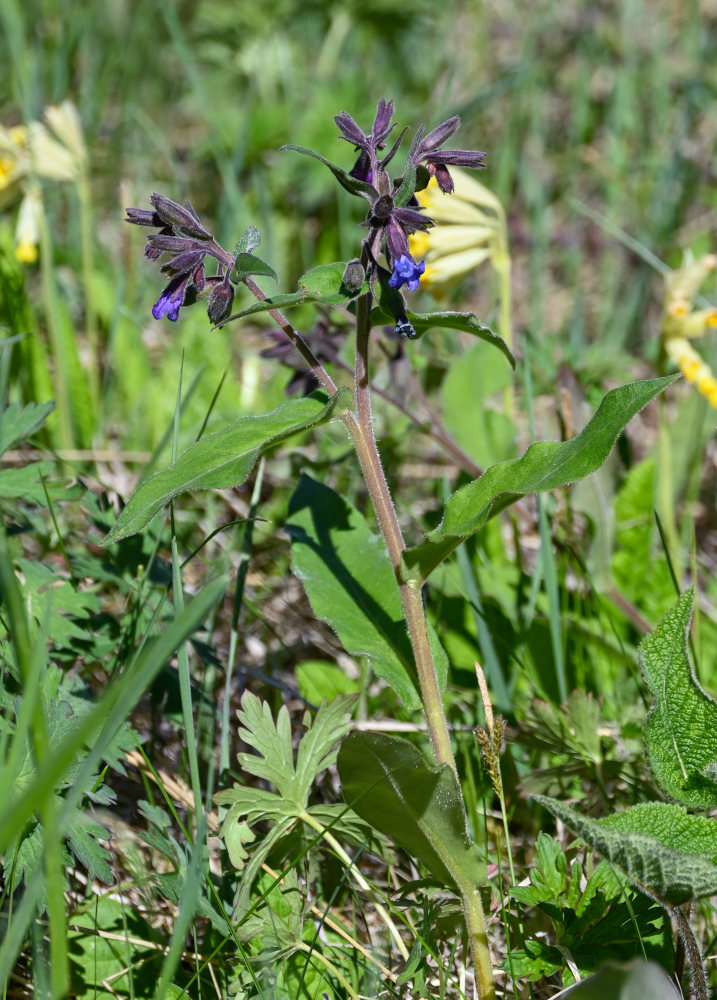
(446, 320)
(681, 727)
(351, 184)
(659, 846)
(19, 422)
(633, 981)
(224, 458)
(320, 679)
(320, 284)
(408, 184)
(83, 839)
(389, 784)
(247, 263)
(247, 242)
(546, 465)
(351, 584)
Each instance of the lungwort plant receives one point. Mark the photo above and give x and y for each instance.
(367, 586)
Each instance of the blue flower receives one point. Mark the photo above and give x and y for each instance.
(406, 271)
(170, 301)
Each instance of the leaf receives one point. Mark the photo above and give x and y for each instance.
(446, 320)
(83, 839)
(351, 184)
(225, 458)
(633, 981)
(408, 184)
(351, 584)
(546, 465)
(681, 727)
(659, 846)
(389, 784)
(319, 679)
(247, 263)
(247, 242)
(27, 484)
(19, 422)
(325, 283)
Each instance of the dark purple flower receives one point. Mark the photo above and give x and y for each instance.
(170, 301)
(407, 271)
(220, 302)
(425, 151)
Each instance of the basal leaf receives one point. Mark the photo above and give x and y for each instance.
(18, 422)
(351, 584)
(224, 458)
(659, 846)
(389, 784)
(681, 727)
(634, 981)
(546, 465)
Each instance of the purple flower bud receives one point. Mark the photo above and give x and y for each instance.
(183, 262)
(350, 131)
(411, 219)
(382, 122)
(142, 217)
(220, 301)
(354, 275)
(396, 240)
(198, 278)
(440, 134)
(176, 215)
(173, 244)
(407, 271)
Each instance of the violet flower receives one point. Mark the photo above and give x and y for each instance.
(407, 271)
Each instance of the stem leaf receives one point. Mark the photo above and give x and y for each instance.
(351, 184)
(225, 458)
(546, 465)
(389, 784)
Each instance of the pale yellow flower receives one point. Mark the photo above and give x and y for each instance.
(681, 323)
(28, 152)
(469, 229)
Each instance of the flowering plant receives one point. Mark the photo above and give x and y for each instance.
(368, 589)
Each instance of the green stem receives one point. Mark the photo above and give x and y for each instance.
(360, 427)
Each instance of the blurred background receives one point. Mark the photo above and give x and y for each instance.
(596, 118)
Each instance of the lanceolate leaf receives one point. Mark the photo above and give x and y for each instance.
(18, 422)
(346, 181)
(681, 727)
(387, 782)
(447, 320)
(320, 284)
(247, 263)
(351, 584)
(224, 458)
(662, 848)
(546, 465)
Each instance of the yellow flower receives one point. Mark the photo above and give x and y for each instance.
(31, 151)
(470, 229)
(681, 323)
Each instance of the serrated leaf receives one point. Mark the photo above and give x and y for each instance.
(659, 846)
(225, 458)
(351, 184)
(546, 465)
(351, 584)
(681, 727)
(247, 263)
(18, 422)
(83, 838)
(27, 484)
(387, 781)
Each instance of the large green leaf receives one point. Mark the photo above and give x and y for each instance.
(681, 727)
(225, 458)
(351, 584)
(447, 320)
(634, 981)
(660, 846)
(387, 782)
(546, 465)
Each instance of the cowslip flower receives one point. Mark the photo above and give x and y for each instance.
(469, 230)
(29, 152)
(681, 323)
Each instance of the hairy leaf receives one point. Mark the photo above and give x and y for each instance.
(351, 184)
(225, 458)
(659, 846)
(387, 781)
(681, 727)
(247, 263)
(351, 584)
(546, 465)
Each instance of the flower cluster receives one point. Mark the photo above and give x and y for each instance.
(53, 149)
(185, 244)
(396, 214)
(682, 323)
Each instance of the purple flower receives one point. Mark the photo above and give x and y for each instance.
(407, 271)
(171, 299)
(426, 151)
